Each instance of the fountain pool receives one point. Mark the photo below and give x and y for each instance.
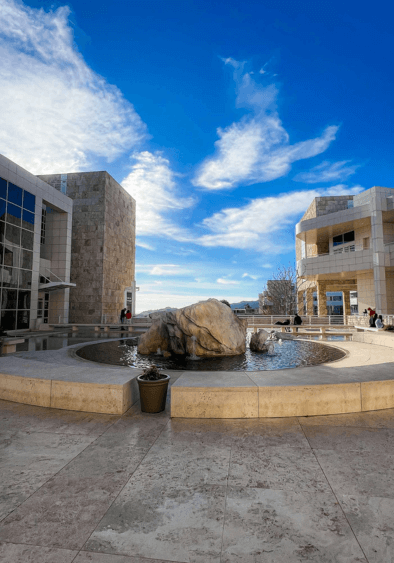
(290, 354)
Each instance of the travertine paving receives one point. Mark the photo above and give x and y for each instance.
(79, 487)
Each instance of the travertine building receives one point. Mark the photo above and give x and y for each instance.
(103, 245)
(346, 243)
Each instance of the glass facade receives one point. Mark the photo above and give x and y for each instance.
(17, 208)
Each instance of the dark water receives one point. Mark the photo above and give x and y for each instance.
(292, 353)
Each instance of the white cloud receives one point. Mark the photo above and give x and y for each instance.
(327, 172)
(57, 114)
(264, 224)
(142, 244)
(152, 184)
(224, 281)
(257, 148)
(250, 276)
(168, 270)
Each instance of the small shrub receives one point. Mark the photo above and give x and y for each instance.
(152, 373)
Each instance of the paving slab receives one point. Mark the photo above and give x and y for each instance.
(17, 553)
(372, 520)
(164, 520)
(269, 526)
(29, 459)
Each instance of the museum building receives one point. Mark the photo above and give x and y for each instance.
(67, 248)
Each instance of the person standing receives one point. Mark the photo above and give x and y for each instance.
(122, 315)
(128, 316)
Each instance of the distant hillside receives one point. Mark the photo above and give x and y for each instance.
(241, 304)
(147, 313)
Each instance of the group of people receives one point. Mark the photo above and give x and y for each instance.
(125, 314)
(375, 320)
(297, 321)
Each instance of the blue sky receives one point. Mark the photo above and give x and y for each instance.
(223, 119)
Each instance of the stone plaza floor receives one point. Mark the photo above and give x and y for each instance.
(139, 488)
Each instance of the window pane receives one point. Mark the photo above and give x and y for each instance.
(11, 255)
(2, 209)
(13, 234)
(14, 214)
(337, 240)
(348, 237)
(24, 299)
(14, 194)
(23, 319)
(27, 260)
(9, 277)
(27, 239)
(8, 320)
(29, 201)
(25, 279)
(2, 231)
(3, 188)
(8, 298)
(28, 220)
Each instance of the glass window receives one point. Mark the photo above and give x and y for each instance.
(2, 209)
(13, 234)
(337, 240)
(348, 237)
(27, 260)
(9, 255)
(28, 220)
(15, 194)
(8, 320)
(2, 232)
(9, 276)
(3, 188)
(8, 298)
(27, 239)
(1, 253)
(25, 279)
(23, 319)
(29, 201)
(13, 214)
(24, 299)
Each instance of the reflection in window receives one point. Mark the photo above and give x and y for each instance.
(2, 209)
(341, 239)
(14, 194)
(23, 319)
(27, 239)
(25, 279)
(27, 260)
(13, 234)
(24, 299)
(8, 320)
(13, 214)
(11, 256)
(29, 201)
(9, 276)
(3, 188)
(28, 220)
(8, 298)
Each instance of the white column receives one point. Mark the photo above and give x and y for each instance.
(379, 270)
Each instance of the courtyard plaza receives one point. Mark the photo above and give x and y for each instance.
(142, 488)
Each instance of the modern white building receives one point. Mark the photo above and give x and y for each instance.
(346, 244)
(35, 249)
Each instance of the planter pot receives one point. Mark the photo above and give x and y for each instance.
(153, 394)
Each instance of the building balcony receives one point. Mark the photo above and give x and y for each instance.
(342, 262)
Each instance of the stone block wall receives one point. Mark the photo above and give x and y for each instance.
(103, 244)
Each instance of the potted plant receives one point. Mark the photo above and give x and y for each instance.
(153, 387)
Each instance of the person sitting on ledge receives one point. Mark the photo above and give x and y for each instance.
(379, 322)
(286, 322)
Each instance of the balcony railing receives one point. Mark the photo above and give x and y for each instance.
(339, 250)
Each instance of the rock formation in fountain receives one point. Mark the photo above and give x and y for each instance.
(217, 331)
(258, 341)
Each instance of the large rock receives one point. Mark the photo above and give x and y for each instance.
(258, 341)
(208, 328)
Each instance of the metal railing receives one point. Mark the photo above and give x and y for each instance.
(268, 320)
